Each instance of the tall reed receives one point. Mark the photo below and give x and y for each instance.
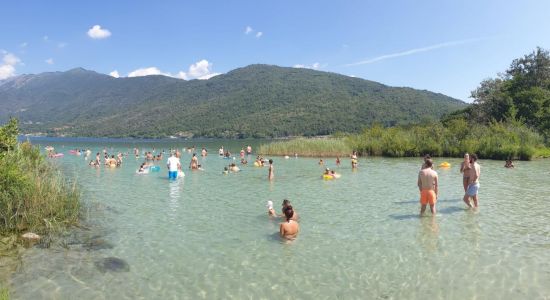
(314, 147)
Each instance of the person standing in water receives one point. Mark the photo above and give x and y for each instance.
(270, 175)
(428, 185)
(289, 229)
(248, 150)
(473, 182)
(354, 159)
(173, 165)
(194, 165)
(465, 170)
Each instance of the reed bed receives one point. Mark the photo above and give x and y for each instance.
(498, 140)
(34, 196)
(313, 147)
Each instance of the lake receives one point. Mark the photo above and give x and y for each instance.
(207, 235)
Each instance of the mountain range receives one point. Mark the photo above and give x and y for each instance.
(253, 101)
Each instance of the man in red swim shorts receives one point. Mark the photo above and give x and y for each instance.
(428, 186)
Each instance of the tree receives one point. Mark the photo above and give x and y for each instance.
(8, 135)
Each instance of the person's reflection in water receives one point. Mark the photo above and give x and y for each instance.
(173, 202)
(428, 235)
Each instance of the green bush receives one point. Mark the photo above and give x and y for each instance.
(33, 194)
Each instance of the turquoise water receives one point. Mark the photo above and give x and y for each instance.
(208, 235)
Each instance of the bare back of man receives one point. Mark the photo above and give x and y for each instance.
(428, 187)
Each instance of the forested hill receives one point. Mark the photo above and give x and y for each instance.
(254, 101)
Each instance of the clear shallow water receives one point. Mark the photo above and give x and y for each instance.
(208, 235)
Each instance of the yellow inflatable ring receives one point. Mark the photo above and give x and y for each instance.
(445, 165)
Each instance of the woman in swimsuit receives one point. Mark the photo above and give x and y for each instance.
(290, 228)
(464, 169)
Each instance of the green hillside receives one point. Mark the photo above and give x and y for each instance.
(254, 101)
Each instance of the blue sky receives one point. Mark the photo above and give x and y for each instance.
(442, 46)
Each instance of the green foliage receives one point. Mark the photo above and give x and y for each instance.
(307, 147)
(257, 101)
(4, 294)
(521, 94)
(497, 140)
(8, 135)
(33, 195)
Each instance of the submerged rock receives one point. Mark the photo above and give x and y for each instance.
(98, 244)
(31, 236)
(112, 264)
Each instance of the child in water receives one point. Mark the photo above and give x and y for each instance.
(270, 211)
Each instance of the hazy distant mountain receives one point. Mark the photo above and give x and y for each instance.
(254, 101)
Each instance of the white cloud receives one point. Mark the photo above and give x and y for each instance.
(96, 32)
(314, 66)
(199, 70)
(49, 61)
(259, 34)
(61, 45)
(23, 45)
(248, 30)
(7, 69)
(115, 74)
(414, 51)
(146, 72)
(10, 59)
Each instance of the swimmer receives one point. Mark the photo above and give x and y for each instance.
(204, 153)
(244, 161)
(225, 171)
(428, 187)
(321, 162)
(270, 211)
(286, 203)
(509, 164)
(233, 168)
(337, 161)
(334, 174)
(289, 229)
(249, 150)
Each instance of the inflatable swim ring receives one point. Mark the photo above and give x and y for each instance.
(445, 165)
(327, 177)
(257, 164)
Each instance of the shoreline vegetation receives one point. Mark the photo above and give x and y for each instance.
(34, 196)
(498, 141)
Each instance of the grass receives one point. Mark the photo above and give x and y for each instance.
(34, 196)
(313, 147)
(4, 294)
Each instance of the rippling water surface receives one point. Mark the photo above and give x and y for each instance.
(208, 235)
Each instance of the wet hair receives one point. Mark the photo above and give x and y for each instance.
(286, 202)
(473, 157)
(428, 163)
(427, 156)
(289, 212)
(270, 161)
